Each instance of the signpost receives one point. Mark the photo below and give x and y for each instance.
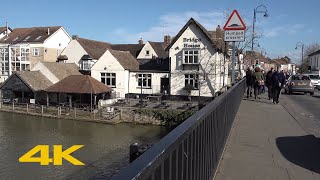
(234, 31)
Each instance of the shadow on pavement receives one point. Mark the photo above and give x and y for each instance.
(303, 151)
(261, 100)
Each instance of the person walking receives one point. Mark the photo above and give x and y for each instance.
(258, 81)
(249, 82)
(269, 83)
(278, 81)
(262, 86)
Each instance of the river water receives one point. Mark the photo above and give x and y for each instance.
(105, 151)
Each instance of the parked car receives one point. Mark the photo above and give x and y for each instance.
(315, 79)
(299, 83)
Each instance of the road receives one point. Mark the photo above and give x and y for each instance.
(305, 109)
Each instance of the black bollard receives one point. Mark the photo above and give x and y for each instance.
(134, 152)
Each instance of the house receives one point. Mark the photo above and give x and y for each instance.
(21, 49)
(258, 58)
(4, 31)
(26, 85)
(195, 59)
(285, 64)
(84, 52)
(314, 61)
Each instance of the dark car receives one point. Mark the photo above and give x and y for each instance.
(299, 83)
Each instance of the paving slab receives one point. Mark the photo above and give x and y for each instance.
(266, 142)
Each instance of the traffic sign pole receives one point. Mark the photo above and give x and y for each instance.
(233, 73)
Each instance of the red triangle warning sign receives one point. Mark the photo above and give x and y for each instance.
(234, 22)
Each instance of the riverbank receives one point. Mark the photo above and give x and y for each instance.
(142, 116)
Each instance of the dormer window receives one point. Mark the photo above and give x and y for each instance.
(86, 62)
(15, 39)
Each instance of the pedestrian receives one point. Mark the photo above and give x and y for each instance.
(258, 81)
(249, 82)
(269, 83)
(278, 81)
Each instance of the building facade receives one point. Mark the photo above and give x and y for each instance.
(195, 60)
(24, 47)
(314, 61)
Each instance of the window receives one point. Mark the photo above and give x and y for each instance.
(147, 52)
(191, 57)
(36, 52)
(15, 39)
(38, 38)
(109, 79)
(26, 39)
(86, 65)
(144, 80)
(191, 79)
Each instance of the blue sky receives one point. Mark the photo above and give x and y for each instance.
(289, 21)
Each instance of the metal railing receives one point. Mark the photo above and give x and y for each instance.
(192, 150)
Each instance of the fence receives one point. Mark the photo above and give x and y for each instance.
(192, 150)
(59, 111)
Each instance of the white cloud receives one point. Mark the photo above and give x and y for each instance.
(171, 24)
(286, 29)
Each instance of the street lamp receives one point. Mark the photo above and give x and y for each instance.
(263, 52)
(255, 11)
(300, 44)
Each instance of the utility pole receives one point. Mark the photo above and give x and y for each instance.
(233, 62)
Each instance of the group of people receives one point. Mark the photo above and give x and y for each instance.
(257, 80)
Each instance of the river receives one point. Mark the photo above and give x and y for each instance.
(105, 150)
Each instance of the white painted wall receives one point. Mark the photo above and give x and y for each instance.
(45, 71)
(155, 83)
(58, 40)
(3, 34)
(143, 52)
(314, 61)
(74, 51)
(109, 64)
(211, 63)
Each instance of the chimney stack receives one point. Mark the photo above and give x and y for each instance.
(75, 37)
(7, 29)
(140, 41)
(167, 39)
(48, 31)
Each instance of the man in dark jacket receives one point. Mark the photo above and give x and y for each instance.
(278, 81)
(249, 81)
(268, 83)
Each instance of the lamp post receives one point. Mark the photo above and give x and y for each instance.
(255, 11)
(300, 44)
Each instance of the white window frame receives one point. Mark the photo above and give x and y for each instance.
(106, 76)
(190, 56)
(191, 79)
(35, 51)
(146, 80)
(86, 65)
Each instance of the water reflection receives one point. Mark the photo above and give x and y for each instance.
(105, 148)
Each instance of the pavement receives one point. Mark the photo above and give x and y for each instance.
(268, 142)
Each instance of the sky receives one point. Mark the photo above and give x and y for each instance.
(120, 21)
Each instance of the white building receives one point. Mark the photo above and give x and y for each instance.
(195, 60)
(22, 48)
(314, 61)
(4, 31)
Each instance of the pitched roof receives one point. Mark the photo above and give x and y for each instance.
(126, 59)
(314, 53)
(79, 84)
(257, 55)
(191, 21)
(34, 80)
(94, 48)
(134, 49)
(159, 48)
(27, 35)
(62, 70)
(4, 28)
(283, 60)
